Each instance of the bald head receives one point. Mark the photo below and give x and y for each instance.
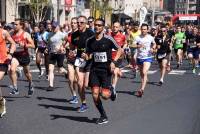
(116, 27)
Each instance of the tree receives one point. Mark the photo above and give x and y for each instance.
(38, 9)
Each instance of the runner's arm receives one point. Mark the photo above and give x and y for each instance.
(12, 46)
(30, 42)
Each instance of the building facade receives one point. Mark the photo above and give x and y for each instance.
(186, 6)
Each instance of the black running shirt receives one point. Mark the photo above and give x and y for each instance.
(101, 51)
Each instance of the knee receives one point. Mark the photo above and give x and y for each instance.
(105, 93)
(12, 70)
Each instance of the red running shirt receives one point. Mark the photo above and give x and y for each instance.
(120, 39)
(20, 39)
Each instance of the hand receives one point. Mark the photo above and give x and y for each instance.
(9, 56)
(84, 56)
(112, 67)
(62, 49)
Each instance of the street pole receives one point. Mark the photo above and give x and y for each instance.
(58, 10)
(153, 14)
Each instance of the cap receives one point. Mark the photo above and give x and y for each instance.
(9, 26)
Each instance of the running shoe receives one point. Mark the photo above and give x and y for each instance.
(82, 108)
(113, 93)
(102, 120)
(31, 89)
(50, 88)
(194, 70)
(2, 107)
(73, 100)
(160, 83)
(178, 66)
(14, 91)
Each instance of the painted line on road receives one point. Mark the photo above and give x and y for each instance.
(177, 72)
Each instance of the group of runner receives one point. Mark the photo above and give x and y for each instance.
(95, 55)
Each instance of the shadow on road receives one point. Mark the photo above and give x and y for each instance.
(44, 88)
(125, 92)
(52, 99)
(58, 107)
(79, 119)
(150, 83)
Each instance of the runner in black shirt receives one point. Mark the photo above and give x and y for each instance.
(193, 42)
(82, 67)
(99, 50)
(163, 42)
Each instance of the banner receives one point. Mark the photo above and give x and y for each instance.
(143, 13)
(68, 4)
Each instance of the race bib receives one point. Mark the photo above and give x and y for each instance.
(183, 40)
(79, 62)
(178, 41)
(19, 48)
(192, 45)
(100, 57)
(160, 56)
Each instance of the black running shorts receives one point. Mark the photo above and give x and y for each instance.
(59, 58)
(101, 78)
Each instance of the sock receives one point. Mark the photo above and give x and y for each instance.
(101, 109)
(15, 87)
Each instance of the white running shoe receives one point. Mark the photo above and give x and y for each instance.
(2, 107)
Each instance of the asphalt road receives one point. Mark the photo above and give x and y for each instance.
(169, 109)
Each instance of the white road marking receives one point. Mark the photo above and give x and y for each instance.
(177, 72)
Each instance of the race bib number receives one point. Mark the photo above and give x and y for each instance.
(79, 62)
(100, 57)
(160, 56)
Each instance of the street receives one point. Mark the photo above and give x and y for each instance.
(172, 108)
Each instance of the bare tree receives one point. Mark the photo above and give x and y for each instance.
(39, 9)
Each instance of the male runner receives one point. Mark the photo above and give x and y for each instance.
(5, 59)
(99, 49)
(21, 57)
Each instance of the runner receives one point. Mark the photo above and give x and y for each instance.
(56, 48)
(82, 67)
(122, 42)
(5, 59)
(163, 42)
(178, 40)
(21, 57)
(41, 50)
(99, 48)
(71, 56)
(145, 49)
(133, 47)
(193, 48)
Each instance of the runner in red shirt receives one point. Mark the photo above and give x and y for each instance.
(122, 42)
(21, 57)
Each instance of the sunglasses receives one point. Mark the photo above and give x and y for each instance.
(81, 22)
(98, 25)
(73, 22)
